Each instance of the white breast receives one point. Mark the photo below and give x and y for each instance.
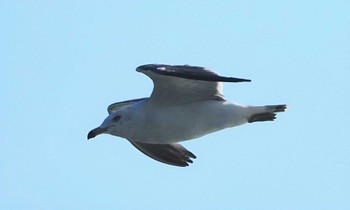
(178, 123)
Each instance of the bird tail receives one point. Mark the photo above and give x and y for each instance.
(266, 113)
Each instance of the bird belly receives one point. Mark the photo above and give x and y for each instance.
(179, 123)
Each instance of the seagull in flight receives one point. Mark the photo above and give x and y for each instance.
(187, 102)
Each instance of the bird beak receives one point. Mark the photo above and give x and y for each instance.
(95, 132)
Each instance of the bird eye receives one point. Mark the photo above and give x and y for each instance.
(116, 118)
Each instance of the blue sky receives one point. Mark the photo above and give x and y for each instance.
(64, 62)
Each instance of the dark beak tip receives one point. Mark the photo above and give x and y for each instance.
(91, 135)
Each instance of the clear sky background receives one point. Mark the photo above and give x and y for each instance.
(63, 62)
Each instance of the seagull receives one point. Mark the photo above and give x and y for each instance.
(187, 102)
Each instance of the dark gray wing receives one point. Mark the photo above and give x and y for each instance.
(188, 72)
(122, 105)
(183, 84)
(172, 154)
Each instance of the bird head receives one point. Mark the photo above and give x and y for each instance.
(110, 125)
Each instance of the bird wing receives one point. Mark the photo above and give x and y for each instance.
(172, 154)
(122, 105)
(181, 84)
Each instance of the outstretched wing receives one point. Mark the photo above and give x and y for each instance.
(183, 84)
(122, 105)
(172, 154)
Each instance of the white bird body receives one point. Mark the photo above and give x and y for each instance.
(171, 124)
(187, 102)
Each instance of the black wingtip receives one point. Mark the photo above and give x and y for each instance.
(172, 154)
(91, 135)
(232, 79)
(147, 67)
